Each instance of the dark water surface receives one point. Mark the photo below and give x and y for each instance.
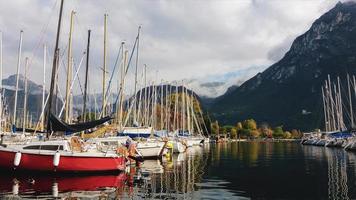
(244, 170)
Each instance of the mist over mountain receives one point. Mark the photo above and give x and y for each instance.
(289, 92)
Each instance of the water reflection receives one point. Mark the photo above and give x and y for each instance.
(244, 170)
(41, 186)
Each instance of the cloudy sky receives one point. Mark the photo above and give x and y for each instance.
(211, 44)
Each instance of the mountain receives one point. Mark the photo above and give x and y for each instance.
(34, 95)
(289, 92)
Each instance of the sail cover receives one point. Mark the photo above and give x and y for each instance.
(58, 125)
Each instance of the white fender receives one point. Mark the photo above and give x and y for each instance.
(15, 189)
(17, 159)
(55, 189)
(56, 159)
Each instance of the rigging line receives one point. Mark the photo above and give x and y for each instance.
(72, 83)
(80, 84)
(113, 71)
(132, 53)
(127, 67)
(42, 35)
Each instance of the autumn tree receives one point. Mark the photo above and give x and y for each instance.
(287, 135)
(233, 133)
(296, 134)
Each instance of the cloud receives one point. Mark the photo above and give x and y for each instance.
(179, 40)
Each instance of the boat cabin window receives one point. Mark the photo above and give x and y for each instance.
(45, 147)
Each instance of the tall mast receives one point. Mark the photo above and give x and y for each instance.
(54, 69)
(183, 107)
(341, 117)
(17, 81)
(104, 66)
(25, 98)
(161, 106)
(325, 119)
(188, 110)
(67, 117)
(332, 104)
(175, 118)
(350, 101)
(166, 106)
(43, 85)
(122, 89)
(86, 78)
(135, 88)
(145, 99)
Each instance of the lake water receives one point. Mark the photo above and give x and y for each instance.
(239, 170)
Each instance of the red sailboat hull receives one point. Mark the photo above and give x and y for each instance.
(67, 163)
(45, 184)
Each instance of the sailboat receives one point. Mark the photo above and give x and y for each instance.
(63, 155)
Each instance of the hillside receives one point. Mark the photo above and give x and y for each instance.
(289, 92)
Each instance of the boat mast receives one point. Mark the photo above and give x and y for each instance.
(135, 88)
(341, 115)
(145, 98)
(43, 86)
(161, 105)
(54, 69)
(122, 88)
(175, 118)
(67, 117)
(166, 107)
(332, 103)
(25, 98)
(350, 100)
(188, 110)
(86, 78)
(183, 108)
(104, 66)
(325, 118)
(17, 82)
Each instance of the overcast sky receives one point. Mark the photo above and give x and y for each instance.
(212, 44)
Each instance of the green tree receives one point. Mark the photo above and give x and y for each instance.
(239, 128)
(215, 128)
(278, 132)
(233, 133)
(223, 130)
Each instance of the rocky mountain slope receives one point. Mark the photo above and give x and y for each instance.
(289, 92)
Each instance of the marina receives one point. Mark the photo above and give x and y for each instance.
(251, 170)
(174, 100)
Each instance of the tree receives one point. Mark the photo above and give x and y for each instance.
(233, 133)
(296, 134)
(278, 132)
(223, 131)
(239, 128)
(287, 135)
(249, 124)
(215, 128)
(254, 133)
(266, 131)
